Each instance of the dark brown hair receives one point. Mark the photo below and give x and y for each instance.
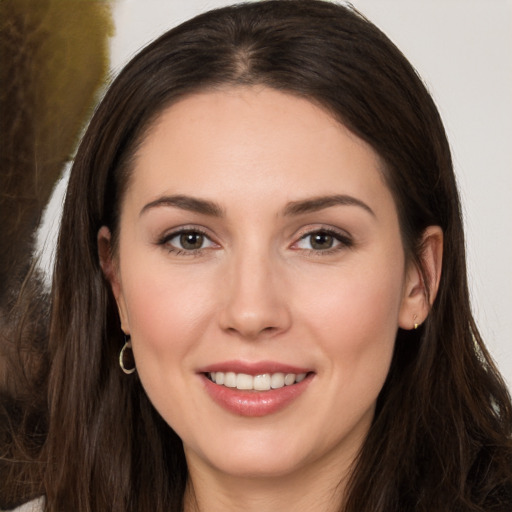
(441, 437)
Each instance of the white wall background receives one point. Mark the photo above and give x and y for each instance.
(463, 50)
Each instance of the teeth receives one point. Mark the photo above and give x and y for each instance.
(263, 382)
(289, 379)
(230, 380)
(244, 381)
(277, 380)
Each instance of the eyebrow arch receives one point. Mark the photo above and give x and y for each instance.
(183, 202)
(319, 203)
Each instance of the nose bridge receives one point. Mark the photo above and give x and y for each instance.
(254, 301)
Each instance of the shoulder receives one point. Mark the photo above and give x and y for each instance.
(31, 506)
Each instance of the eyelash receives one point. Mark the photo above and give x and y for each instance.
(164, 241)
(344, 240)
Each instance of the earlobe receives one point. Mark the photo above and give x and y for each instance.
(110, 271)
(420, 288)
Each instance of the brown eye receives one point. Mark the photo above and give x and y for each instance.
(321, 241)
(191, 241)
(186, 242)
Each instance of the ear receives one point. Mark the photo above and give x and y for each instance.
(419, 295)
(110, 270)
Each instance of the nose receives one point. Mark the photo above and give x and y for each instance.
(255, 293)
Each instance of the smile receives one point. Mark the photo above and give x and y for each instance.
(263, 382)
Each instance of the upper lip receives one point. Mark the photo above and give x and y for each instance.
(253, 368)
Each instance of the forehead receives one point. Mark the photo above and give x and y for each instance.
(250, 141)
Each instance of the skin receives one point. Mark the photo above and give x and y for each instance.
(258, 290)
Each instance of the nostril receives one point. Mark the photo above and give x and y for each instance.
(264, 315)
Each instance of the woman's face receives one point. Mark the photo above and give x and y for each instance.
(259, 246)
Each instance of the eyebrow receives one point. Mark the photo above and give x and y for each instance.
(319, 203)
(188, 203)
(206, 207)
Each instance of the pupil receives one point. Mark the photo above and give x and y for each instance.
(191, 241)
(321, 241)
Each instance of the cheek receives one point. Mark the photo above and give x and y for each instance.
(166, 311)
(355, 320)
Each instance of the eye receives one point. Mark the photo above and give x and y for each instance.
(323, 240)
(186, 241)
(190, 241)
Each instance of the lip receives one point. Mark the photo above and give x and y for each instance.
(254, 403)
(253, 368)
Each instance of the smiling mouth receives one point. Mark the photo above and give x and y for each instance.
(263, 382)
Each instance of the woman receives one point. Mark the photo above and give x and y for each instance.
(260, 295)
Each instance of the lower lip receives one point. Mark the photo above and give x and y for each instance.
(254, 403)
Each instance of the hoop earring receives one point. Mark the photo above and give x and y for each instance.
(127, 344)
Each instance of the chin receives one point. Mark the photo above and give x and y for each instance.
(250, 458)
(259, 466)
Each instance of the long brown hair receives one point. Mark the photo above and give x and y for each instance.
(441, 437)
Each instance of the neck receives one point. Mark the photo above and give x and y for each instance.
(321, 488)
